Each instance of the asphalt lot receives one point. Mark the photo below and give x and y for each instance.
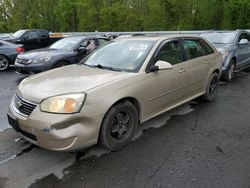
(197, 145)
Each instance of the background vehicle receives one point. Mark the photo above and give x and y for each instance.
(66, 51)
(235, 47)
(32, 38)
(103, 98)
(8, 54)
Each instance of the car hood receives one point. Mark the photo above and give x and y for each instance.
(69, 79)
(45, 52)
(223, 47)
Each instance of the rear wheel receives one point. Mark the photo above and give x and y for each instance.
(119, 126)
(4, 63)
(212, 88)
(229, 73)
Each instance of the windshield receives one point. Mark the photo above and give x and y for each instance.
(120, 55)
(18, 33)
(69, 43)
(220, 38)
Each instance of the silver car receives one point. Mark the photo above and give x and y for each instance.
(235, 47)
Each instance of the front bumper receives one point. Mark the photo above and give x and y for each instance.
(29, 69)
(58, 132)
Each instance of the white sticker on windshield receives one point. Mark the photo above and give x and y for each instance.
(140, 47)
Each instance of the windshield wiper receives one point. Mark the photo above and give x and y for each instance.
(104, 67)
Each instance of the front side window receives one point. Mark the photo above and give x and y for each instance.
(120, 55)
(170, 52)
(243, 36)
(193, 48)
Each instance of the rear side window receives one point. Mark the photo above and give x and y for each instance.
(31, 35)
(207, 48)
(43, 34)
(170, 52)
(193, 48)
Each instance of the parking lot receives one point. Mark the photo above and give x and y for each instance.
(197, 145)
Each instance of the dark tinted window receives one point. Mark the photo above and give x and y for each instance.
(43, 34)
(207, 48)
(243, 36)
(31, 35)
(248, 36)
(193, 48)
(170, 52)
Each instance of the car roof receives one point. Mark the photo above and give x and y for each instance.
(157, 37)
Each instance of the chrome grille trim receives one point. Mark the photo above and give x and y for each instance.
(23, 107)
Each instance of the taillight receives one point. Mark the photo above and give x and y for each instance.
(20, 50)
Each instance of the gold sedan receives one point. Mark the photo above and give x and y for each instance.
(104, 98)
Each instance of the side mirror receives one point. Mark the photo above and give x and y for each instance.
(161, 65)
(243, 42)
(82, 49)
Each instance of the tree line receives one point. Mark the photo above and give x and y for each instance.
(123, 15)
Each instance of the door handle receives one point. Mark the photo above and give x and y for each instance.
(182, 70)
(206, 61)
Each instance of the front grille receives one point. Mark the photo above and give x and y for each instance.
(24, 107)
(22, 61)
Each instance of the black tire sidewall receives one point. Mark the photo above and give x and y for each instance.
(207, 96)
(105, 138)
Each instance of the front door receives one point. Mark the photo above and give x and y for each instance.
(166, 87)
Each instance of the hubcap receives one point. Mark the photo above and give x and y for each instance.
(3, 63)
(120, 126)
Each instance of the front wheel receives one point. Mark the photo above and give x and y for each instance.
(212, 88)
(228, 75)
(119, 126)
(4, 63)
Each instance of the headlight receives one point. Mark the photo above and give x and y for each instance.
(63, 104)
(42, 60)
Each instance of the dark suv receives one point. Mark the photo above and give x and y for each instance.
(235, 47)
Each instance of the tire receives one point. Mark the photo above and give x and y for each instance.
(119, 126)
(212, 88)
(61, 64)
(228, 75)
(4, 63)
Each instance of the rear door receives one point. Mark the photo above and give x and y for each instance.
(31, 40)
(198, 64)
